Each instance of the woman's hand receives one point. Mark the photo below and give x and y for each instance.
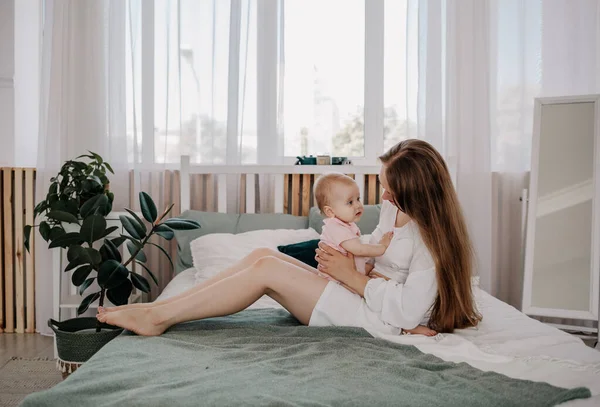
(341, 267)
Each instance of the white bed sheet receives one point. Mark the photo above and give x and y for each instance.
(506, 342)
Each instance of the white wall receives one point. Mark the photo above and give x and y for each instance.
(7, 69)
(27, 85)
(20, 42)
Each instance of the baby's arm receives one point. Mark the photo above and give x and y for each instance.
(359, 249)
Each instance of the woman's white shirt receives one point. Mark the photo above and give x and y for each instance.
(404, 300)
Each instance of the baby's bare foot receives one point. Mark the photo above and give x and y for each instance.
(142, 321)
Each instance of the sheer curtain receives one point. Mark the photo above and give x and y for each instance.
(81, 96)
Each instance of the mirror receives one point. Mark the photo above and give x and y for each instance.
(562, 252)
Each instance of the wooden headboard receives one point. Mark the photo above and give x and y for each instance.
(206, 185)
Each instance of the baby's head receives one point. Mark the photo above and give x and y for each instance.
(337, 195)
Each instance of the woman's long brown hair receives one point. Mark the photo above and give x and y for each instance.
(421, 186)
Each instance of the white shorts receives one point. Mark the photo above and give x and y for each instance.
(339, 307)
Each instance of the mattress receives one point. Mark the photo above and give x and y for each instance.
(506, 341)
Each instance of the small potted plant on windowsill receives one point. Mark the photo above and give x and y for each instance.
(74, 218)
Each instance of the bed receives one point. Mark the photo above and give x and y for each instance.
(263, 357)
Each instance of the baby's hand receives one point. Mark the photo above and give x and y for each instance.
(386, 239)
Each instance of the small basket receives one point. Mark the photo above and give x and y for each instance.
(76, 347)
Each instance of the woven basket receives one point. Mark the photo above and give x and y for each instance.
(75, 347)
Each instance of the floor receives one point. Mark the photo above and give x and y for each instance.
(25, 346)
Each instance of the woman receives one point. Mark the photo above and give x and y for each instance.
(425, 275)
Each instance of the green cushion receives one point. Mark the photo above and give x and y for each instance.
(214, 222)
(303, 251)
(262, 221)
(367, 223)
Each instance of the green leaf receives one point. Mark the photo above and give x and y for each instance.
(140, 223)
(111, 274)
(140, 282)
(85, 304)
(94, 255)
(66, 240)
(181, 224)
(85, 285)
(93, 228)
(62, 216)
(75, 263)
(118, 241)
(96, 157)
(129, 227)
(45, 230)
(75, 251)
(141, 256)
(109, 168)
(113, 251)
(164, 252)
(120, 294)
(26, 234)
(164, 231)
(110, 230)
(149, 272)
(56, 232)
(148, 207)
(135, 241)
(81, 274)
(97, 202)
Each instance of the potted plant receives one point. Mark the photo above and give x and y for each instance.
(74, 213)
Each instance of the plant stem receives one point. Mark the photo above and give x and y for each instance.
(148, 236)
(100, 304)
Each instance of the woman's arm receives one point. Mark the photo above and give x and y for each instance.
(341, 267)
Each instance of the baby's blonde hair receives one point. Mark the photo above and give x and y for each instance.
(323, 187)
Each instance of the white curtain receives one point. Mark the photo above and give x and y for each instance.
(82, 98)
(142, 82)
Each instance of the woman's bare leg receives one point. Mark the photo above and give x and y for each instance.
(295, 288)
(239, 266)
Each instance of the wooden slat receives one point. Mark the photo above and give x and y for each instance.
(9, 309)
(222, 193)
(210, 193)
(19, 258)
(197, 186)
(176, 198)
(286, 193)
(29, 260)
(132, 199)
(306, 187)
(155, 255)
(242, 198)
(372, 189)
(1, 254)
(250, 193)
(279, 193)
(296, 194)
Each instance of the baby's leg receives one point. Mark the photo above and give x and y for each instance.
(421, 330)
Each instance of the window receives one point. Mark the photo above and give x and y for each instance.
(324, 43)
(196, 81)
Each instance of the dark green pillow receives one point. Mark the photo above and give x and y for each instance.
(303, 251)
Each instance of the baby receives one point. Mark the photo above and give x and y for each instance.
(338, 199)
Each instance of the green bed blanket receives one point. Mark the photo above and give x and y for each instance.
(264, 357)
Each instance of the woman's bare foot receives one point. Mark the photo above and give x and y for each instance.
(421, 330)
(124, 307)
(142, 321)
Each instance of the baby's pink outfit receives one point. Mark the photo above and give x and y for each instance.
(335, 232)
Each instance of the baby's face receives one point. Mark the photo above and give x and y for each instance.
(345, 202)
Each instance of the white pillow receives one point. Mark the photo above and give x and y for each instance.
(215, 252)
